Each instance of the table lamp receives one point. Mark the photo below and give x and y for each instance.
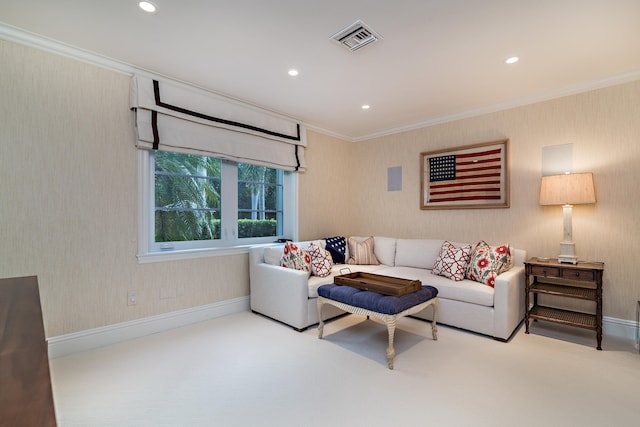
(567, 190)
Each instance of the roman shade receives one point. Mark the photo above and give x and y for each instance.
(175, 117)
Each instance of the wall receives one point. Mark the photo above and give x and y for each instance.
(325, 189)
(603, 126)
(68, 205)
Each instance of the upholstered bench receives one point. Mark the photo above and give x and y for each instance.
(384, 307)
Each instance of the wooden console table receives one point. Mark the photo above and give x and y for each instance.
(580, 281)
(26, 398)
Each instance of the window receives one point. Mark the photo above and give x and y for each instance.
(187, 199)
(260, 191)
(198, 202)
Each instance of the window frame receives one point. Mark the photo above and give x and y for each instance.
(229, 244)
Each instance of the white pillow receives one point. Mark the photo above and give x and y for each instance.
(385, 249)
(272, 255)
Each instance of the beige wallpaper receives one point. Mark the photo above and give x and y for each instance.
(604, 128)
(68, 205)
(325, 196)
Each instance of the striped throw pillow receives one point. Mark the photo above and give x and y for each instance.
(361, 252)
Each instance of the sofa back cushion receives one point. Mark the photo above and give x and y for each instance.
(272, 255)
(419, 253)
(518, 256)
(385, 250)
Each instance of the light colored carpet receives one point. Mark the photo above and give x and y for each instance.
(247, 370)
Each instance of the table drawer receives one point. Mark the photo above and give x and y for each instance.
(545, 271)
(582, 275)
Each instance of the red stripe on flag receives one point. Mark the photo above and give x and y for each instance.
(468, 190)
(478, 154)
(438, 186)
(460, 199)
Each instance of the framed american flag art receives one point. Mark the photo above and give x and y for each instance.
(469, 177)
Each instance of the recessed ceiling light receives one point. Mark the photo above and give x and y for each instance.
(512, 60)
(147, 6)
(366, 107)
(293, 72)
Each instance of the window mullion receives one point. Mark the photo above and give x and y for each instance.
(229, 201)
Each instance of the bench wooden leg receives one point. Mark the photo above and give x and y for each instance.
(321, 322)
(434, 326)
(391, 322)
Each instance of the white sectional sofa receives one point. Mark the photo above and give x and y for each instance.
(289, 295)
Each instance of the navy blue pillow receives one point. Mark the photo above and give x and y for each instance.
(337, 247)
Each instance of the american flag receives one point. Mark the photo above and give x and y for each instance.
(469, 176)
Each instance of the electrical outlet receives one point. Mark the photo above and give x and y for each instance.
(132, 298)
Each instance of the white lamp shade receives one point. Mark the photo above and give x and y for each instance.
(567, 189)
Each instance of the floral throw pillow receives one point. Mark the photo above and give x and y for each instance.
(452, 261)
(321, 261)
(488, 262)
(295, 258)
(337, 247)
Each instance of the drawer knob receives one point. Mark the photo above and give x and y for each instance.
(577, 274)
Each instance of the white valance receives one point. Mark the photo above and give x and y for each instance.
(175, 117)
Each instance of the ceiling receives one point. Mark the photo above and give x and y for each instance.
(438, 60)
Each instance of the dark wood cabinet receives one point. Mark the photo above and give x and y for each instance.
(26, 398)
(580, 281)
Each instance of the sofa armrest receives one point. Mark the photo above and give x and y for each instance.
(508, 302)
(280, 293)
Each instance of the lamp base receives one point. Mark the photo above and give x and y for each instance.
(569, 259)
(567, 253)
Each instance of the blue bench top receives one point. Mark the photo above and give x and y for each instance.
(373, 301)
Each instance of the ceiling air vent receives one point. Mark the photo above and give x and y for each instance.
(356, 35)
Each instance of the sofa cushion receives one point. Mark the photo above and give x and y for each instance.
(337, 247)
(295, 257)
(373, 301)
(488, 262)
(420, 253)
(465, 290)
(452, 261)
(321, 261)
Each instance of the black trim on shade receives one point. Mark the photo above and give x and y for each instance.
(156, 91)
(154, 126)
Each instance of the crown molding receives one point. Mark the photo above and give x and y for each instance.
(560, 93)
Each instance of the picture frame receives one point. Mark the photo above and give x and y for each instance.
(466, 177)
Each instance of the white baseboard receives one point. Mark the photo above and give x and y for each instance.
(64, 345)
(619, 328)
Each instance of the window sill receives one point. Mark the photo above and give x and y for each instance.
(152, 257)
